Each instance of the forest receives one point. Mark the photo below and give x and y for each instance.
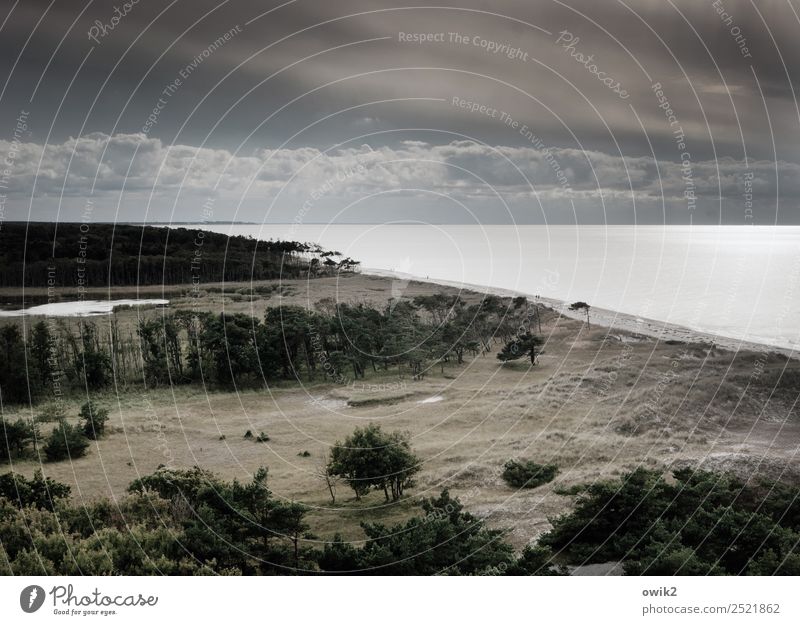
(337, 342)
(39, 254)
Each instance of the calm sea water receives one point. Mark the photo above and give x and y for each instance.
(740, 282)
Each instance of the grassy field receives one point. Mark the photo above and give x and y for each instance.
(598, 403)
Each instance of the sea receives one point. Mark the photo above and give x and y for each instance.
(732, 281)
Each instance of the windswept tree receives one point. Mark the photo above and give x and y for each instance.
(520, 346)
(370, 458)
(576, 306)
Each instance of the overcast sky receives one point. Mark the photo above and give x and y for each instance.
(634, 111)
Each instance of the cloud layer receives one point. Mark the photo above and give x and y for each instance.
(109, 168)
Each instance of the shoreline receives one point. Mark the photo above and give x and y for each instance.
(612, 319)
(627, 323)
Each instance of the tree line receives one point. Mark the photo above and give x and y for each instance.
(84, 255)
(337, 342)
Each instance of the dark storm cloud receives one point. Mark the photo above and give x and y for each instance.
(187, 98)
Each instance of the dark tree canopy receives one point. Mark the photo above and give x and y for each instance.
(370, 458)
(523, 345)
(576, 306)
(700, 523)
(121, 255)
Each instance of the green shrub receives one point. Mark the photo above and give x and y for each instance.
(40, 492)
(698, 523)
(15, 437)
(94, 420)
(262, 438)
(66, 441)
(528, 474)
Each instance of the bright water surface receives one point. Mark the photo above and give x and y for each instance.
(741, 282)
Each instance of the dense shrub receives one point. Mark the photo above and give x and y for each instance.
(702, 523)
(528, 474)
(66, 441)
(94, 420)
(16, 438)
(39, 492)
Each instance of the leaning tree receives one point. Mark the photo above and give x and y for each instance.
(519, 346)
(584, 307)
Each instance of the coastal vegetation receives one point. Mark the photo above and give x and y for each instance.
(528, 474)
(190, 522)
(697, 523)
(581, 306)
(186, 522)
(77, 255)
(372, 459)
(334, 341)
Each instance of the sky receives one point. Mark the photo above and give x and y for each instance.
(355, 111)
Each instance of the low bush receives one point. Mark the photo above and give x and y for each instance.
(94, 420)
(528, 474)
(66, 441)
(16, 438)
